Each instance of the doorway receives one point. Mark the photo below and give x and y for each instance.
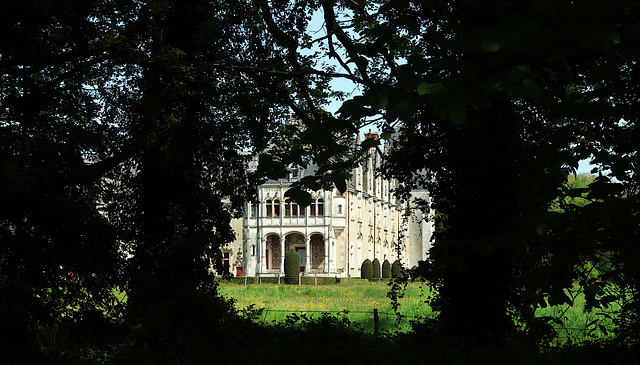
(302, 252)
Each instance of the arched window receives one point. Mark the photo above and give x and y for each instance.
(312, 208)
(316, 208)
(287, 208)
(269, 205)
(292, 209)
(273, 208)
(276, 208)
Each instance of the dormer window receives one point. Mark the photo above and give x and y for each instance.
(293, 174)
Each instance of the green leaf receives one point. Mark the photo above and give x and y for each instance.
(531, 88)
(542, 229)
(426, 88)
(368, 143)
(378, 101)
(354, 108)
(311, 182)
(458, 114)
(403, 110)
(614, 37)
(270, 167)
(490, 46)
(341, 184)
(303, 198)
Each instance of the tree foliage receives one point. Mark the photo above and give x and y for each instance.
(291, 266)
(366, 269)
(386, 269)
(396, 269)
(490, 106)
(125, 131)
(375, 269)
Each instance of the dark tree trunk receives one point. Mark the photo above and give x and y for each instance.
(476, 254)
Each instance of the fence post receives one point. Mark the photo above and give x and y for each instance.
(376, 320)
(259, 280)
(278, 278)
(316, 279)
(245, 281)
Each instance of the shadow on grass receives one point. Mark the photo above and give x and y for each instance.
(300, 340)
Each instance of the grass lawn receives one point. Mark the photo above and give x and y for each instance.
(358, 297)
(575, 326)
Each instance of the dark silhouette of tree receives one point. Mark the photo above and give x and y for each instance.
(126, 129)
(489, 107)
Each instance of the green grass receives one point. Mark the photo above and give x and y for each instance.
(574, 325)
(359, 298)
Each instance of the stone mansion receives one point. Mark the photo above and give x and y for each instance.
(335, 233)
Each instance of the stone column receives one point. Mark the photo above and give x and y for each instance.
(261, 254)
(308, 254)
(326, 265)
(282, 252)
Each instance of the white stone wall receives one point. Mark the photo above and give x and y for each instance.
(366, 221)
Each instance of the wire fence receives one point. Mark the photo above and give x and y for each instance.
(568, 328)
(373, 321)
(302, 279)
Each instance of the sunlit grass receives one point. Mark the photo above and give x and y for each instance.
(359, 298)
(575, 325)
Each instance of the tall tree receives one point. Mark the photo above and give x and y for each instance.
(137, 119)
(58, 260)
(490, 105)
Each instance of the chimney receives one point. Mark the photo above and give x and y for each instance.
(370, 135)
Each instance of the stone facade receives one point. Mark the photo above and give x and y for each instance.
(333, 235)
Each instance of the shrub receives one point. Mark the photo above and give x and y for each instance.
(414, 273)
(376, 268)
(291, 266)
(366, 271)
(386, 269)
(396, 269)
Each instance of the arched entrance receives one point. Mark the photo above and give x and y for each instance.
(296, 241)
(317, 252)
(274, 252)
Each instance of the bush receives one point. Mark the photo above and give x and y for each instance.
(396, 269)
(291, 266)
(376, 268)
(386, 269)
(366, 271)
